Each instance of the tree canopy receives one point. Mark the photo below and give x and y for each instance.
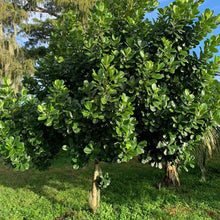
(148, 65)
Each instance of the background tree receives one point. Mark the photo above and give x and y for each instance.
(13, 65)
(209, 144)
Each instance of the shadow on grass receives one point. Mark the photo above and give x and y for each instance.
(131, 183)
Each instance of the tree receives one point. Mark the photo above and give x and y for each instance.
(91, 110)
(204, 151)
(210, 137)
(162, 76)
(174, 114)
(12, 62)
(122, 86)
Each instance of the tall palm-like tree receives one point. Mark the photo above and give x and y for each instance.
(208, 146)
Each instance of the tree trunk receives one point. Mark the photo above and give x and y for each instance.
(171, 176)
(203, 174)
(94, 197)
(202, 166)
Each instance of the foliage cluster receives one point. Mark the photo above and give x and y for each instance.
(24, 142)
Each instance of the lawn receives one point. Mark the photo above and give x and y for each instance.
(62, 193)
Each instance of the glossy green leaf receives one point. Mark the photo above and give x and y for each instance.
(88, 105)
(42, 117)
(87, 150)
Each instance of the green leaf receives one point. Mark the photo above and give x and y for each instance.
(142, 53)
(49, 122)
(139, 150)
(185, 168)
(213, 50)
(160, 166)
(75, 128)
(2, 124)
(75, 166)
(65, 147)
(142, 144)
(160, 66)
(141, 82)
(20, 146)
(154, 87)
(124, 97)
(42, 117)
(58, 83)
(192, 165)
(157, 76)
(152, 108)
(202, 108)
(88, 105)
(7, 81)
(186, 92)
(127, 51)
(101, 116)
(101, 6)
(87, 150)
(150, 64)
(175, 9)
(216, 116)
(85, 113)
(118, 131)
(107, 59)
(103, 100)
(40, 108)
(24, 92)
(60, 59)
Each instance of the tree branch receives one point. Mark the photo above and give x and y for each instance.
(43, 10)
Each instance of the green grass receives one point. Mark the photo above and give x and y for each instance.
(62, 193)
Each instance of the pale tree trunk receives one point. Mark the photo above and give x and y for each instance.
(94, 197)
(202, 167)
(203, 174)
(171, 176)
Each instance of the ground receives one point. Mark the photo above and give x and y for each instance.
(62, 193)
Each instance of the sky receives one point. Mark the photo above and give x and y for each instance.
(213, 5)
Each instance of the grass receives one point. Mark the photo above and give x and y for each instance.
(62, 193)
